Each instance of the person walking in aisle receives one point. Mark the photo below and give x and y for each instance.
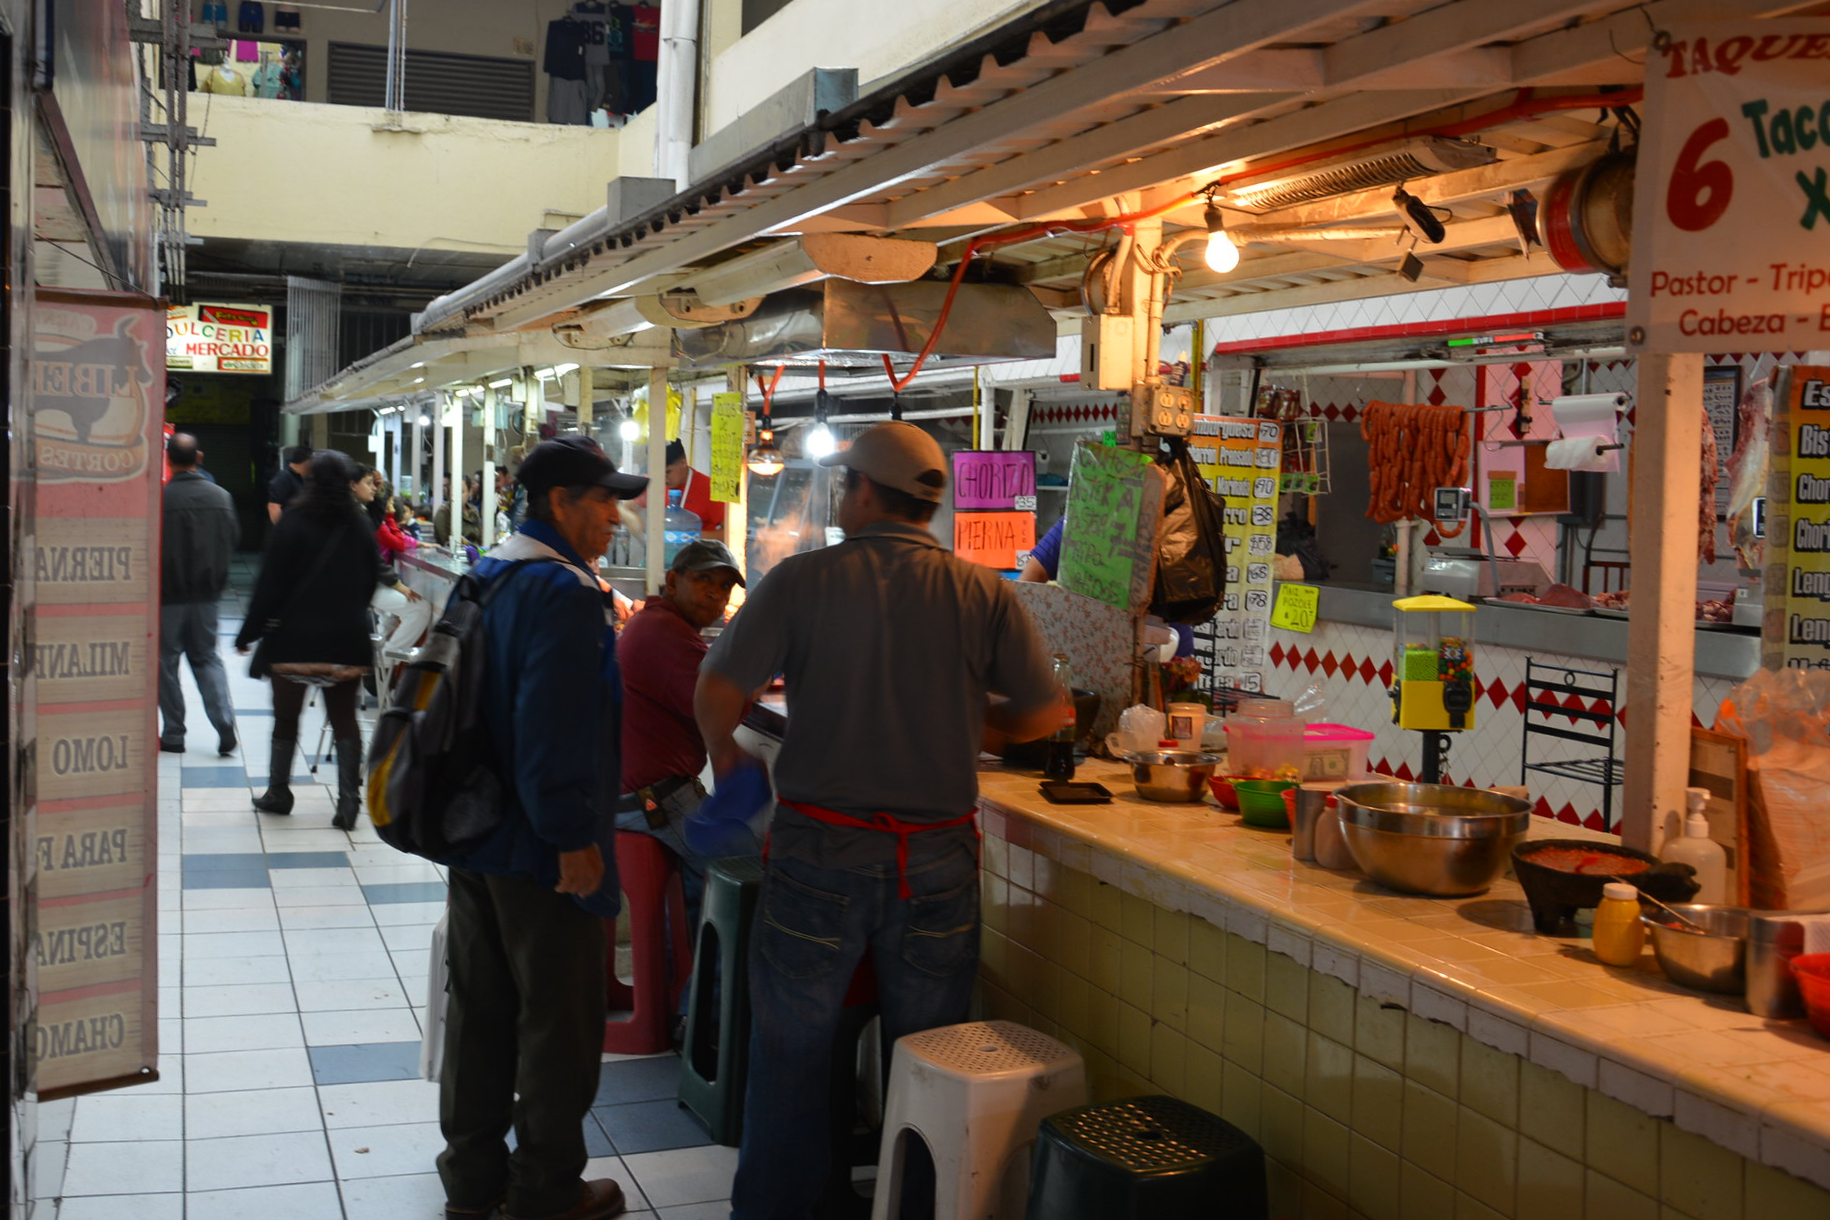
(892, 646)
(524, 1030)
(199, 531)
(285, 486)
(310, 615)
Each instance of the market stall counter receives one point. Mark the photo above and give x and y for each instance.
(1415, 1056)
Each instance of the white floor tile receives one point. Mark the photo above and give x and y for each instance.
(141, 1167)
(417, 1196)
(238, 1000)
(127, 1116)
(352, 994)
(232, 899)
(230, 1071)
(171, 1035)
(255, 1160)
(319, 968)
(380, 1103)
(256, 1112)
(379, 1152)
(45, 1169)
(403, 937)
(720, 1210)
(230, 971)
(293, 919)
(170, 1079)
(55, 1118)
(216, 813)
(231, 919)
(316, 896)
(617, 1170)
(684, 1175)
(361, 1025)
(233, 944)
(396, 874)
(270, 1031)
(309, 1201)
(146, 1206)
(300, 878)
(341, 942)
(391, 914)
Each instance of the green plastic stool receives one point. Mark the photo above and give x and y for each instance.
(714, 1061)
(1145, 1157)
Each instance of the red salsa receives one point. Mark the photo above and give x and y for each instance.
(1587, 863)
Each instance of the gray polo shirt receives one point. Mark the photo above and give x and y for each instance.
(889, 645)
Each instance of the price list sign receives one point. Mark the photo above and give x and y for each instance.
(1798, 529)
(1731, 224)
(994, 502)
(1241, 460)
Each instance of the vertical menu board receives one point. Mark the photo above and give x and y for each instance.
(727, 447)
(1240, 458)
(1114, 516)
(994, 506)
(1796, 633)
(96, 395)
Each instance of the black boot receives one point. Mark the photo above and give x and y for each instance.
(278, 796)
(349, 783)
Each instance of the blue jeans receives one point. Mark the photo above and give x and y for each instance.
(813, 927)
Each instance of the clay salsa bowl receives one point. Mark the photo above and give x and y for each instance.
(1560, 876)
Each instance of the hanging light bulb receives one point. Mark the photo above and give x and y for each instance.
(765, 458)
(1222, 254)
(425, 421)
(629, 430)
(820, 442)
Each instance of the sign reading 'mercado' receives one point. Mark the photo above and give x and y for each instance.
(219, 338)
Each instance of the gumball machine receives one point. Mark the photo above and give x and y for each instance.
(1433, 673)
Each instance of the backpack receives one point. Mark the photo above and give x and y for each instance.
(434, 787)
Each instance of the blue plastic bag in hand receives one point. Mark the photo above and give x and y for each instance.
(721, 824)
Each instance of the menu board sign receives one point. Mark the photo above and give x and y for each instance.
(219, 338)
(96, 417)
(1241, 459)
(996, 480)
(1732, 195)
(1796, 632)
(727, 447)
(996, 540)
(1114, 514)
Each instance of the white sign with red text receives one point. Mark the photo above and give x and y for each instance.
(1731, 214)
(208, 338)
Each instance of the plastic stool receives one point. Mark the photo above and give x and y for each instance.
(714, 1063)
(975, 1094)
(657, 908)
(1146, 1156)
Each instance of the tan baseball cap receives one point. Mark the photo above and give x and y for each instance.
(897, 455)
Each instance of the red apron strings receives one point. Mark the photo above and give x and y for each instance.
(883, 823)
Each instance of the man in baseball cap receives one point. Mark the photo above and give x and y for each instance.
(576, 462)
(898, 457)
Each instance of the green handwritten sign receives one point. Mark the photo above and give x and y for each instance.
(727, 446)
(1296, 607)
(1114, 513)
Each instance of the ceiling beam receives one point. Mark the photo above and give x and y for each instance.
(1487, 271)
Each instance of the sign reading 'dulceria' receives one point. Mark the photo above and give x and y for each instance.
(219, 338)
(1731, 223)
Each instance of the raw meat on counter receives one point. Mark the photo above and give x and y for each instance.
(1561, 596)
(1711, 611)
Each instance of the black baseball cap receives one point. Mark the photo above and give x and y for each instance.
(706, 555)
(577, 461)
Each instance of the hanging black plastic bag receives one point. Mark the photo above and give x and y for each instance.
(1191, 555)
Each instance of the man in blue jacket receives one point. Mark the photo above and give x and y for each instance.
(525, 1022)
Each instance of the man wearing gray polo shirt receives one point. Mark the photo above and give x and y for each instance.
(892, 649)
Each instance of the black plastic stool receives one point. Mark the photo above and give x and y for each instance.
(714, 1061)
(1152, 1157)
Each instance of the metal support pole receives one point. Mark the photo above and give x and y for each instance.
(415, 466)
(441, 412)
(486, 494)
(657, 478)
(1661, 648)
(460, 419)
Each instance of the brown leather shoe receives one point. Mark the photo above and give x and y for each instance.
(600, 1200)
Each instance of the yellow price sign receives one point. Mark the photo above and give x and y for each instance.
(1296, 607)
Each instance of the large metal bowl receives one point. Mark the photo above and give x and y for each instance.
(1714, 959)
(1431, 838)
(1172, 775)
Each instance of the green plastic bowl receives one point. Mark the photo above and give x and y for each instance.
(1261, 802)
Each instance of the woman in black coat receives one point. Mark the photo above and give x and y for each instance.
(311, 613)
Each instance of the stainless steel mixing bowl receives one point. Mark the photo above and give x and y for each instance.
(1714, 959)
(1431, 838)
(1172, 775)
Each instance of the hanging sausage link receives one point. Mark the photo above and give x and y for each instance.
(1413, 449)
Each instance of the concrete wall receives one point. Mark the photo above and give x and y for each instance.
(834, 34)
(299, 172)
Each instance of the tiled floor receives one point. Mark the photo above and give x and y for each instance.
(293, 963)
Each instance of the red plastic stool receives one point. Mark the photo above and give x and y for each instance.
(656, 904)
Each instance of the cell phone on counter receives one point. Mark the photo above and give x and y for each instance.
(1067, 792)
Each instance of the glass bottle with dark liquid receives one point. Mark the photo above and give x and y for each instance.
(1058, 756)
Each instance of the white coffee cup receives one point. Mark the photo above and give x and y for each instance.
(1186, 721)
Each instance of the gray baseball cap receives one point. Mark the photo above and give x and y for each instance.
(706, 555)
(898, 455)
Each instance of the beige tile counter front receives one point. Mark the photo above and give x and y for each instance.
(1397, 1056)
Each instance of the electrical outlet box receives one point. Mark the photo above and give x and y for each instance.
(1162, 410)
(1106, 355)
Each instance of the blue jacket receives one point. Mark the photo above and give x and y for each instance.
(553, 702)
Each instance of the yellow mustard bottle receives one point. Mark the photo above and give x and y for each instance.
(1619, 936)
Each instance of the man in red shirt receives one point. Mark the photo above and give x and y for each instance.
(695, 492)
(659, 652)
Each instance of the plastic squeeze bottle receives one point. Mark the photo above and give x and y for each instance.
(1619, 936)
(1699, 851)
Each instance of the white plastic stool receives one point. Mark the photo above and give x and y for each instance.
(976, 1094)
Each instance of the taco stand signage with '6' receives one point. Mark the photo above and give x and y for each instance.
(207, 338)
(1731, 215)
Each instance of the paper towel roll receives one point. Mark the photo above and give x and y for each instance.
(1591, 417)
(1579, 453)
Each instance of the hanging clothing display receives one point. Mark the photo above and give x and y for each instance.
(225, 79)
(645, 51)
(285, 18)
(564, 63)
(253, 17)
(214, 13)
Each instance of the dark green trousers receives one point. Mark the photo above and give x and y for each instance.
(524, 1035)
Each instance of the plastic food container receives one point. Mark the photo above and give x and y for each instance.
(1265, 747)
(1812, 970)
(1261, 802)
(1335, 752)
